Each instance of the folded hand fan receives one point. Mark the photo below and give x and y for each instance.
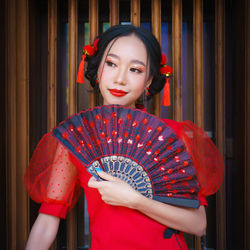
(136, 147)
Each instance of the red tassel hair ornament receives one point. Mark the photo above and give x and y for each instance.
(88, 50)
(95, 44)
(163, 59)
(167, 72)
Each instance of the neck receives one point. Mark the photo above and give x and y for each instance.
(132, 105)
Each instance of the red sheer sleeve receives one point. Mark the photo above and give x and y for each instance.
(51, 178)
(207, 158)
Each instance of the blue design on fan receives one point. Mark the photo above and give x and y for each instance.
(126, 170)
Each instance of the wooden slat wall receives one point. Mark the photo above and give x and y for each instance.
(52, 70)
(93, 32)
(73, 26)
(22, 119)
(220, 114)
(198, 63)
(113, 12)
(247, 127)
(52, 63)
(3, 96)
(11, 124)
(17, 122)
(177, 57)
(198, 72)
(135, 15)
(156, 29)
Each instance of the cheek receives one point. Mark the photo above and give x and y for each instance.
(106, 74)
(138, 82)
(105, 78)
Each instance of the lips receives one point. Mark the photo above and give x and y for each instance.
(117, 92)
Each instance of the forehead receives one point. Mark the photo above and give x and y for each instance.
(130, 47)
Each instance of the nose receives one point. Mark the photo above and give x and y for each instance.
(120, 77)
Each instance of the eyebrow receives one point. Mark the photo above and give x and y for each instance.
(133, 61)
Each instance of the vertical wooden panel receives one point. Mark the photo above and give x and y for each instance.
(156, 18)
(52, 70)
(52, 63)
(247, 127)
(22, 120)
(135, 14)
(73, 20)
(156, 29)
(17, 122)
(93, 32)
(72, 54)
(177, 57)
(11, 123)
(113, 12)
(198, 63)
(220, 114)
(3, 95)
(198, 72)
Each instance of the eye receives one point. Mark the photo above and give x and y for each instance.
(110, 63)
(136, 70)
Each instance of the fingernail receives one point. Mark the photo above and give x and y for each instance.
(98, 169)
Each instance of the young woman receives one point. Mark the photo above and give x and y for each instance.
(125, 65)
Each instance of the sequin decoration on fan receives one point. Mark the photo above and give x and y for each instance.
(126, 170)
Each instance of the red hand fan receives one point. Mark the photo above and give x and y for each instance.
(136, 147)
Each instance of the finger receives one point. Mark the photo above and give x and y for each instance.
(93, 182)
(93, 179)
(107, 176)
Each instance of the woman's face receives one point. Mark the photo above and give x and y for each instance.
(123, 71)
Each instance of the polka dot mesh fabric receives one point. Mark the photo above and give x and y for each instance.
(50, 176)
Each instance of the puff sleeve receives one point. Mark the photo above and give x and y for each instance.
(206, 157)
(51, 178)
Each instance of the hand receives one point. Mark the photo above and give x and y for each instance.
(115, 191)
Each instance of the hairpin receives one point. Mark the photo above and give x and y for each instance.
(167, 72)
(88, 50)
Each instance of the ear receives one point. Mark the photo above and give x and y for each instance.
(149, 81)
(99, 70)
(98, 73)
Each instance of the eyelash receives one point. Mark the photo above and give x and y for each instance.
(134, 70)
(110, 64)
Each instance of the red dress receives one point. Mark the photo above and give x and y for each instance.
(58, 185)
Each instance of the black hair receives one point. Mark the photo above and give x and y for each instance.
(153, 50)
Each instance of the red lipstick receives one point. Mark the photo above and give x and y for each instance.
(117, 92)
